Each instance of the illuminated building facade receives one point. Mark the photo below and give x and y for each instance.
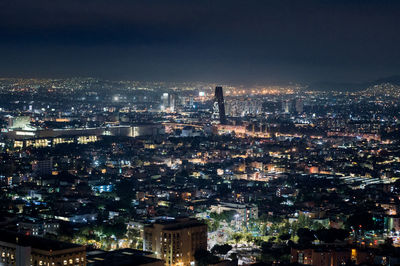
(331, 256)
(19, 249)
(219, 105)
(175, 241)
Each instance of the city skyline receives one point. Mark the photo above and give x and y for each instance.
(199, 132)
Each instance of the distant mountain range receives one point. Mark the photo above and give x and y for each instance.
(340, 86)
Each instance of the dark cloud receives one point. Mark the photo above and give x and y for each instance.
(217, 40)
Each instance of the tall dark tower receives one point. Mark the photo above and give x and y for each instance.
(219, 102)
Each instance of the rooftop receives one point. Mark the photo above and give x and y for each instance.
(34, 242)
(120, 257)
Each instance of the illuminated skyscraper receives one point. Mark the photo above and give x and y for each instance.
(164, 101)
(169, 102)
(172, 102)
(219, 106)
(286, 106)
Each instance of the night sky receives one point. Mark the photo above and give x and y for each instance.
(231, 41)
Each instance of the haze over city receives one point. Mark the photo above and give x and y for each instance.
(252, 42)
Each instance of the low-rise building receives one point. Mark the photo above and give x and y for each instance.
(19, 249)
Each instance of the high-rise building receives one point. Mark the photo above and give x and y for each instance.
(219, 105)
(172, 102)
(169, 102)
(243, 106)
(299, 106)
(164, 101)
(286, 106)
(175, 241)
